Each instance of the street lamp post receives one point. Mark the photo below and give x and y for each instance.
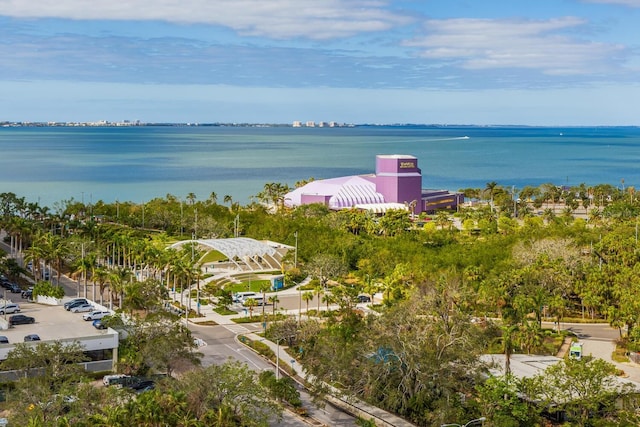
(299, 305)
(295, 254)
(278, 359)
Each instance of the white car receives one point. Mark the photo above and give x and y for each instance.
(97, 314)
(114, 379)
(84, 308)
(10, 308)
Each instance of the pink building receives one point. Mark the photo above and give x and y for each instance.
(397, 184)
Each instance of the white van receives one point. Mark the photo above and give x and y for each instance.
(258, 299)
(243, 296)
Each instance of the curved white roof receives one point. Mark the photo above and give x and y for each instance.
(236, 247)
(382, 207)
(344, 192)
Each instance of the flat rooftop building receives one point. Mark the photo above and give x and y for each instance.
(54, 323)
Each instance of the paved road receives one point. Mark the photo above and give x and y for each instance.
(222, 345)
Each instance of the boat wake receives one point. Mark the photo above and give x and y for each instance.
(457, 138)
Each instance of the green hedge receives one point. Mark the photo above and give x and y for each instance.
(46, 289)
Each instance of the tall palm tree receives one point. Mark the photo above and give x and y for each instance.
(118, 279)
(228, 199)
(100, 277)
(58, 251)
(318, 291)
(490, 190)
(273, 299)
(307, 297)
(250, 303)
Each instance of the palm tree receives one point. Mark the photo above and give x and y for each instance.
(273, 299)
(264, 288)
(307, 297)
(490, 191)
(328, 298)
(118, 279)
(213, 198)
(100, 276)
(508, 343)
(319, 290)
(250, 303)
(228, 199)
(58, 252)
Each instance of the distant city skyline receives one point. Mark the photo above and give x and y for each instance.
(543, 63)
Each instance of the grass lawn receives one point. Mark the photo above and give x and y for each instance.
(213, 256)
(250, 285)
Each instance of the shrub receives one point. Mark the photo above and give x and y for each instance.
(46, 289)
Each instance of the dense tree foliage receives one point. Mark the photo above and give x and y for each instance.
(547, 252)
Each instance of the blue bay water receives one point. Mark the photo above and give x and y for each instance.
(136, 164)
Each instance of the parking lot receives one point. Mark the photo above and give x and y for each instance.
(52, 323)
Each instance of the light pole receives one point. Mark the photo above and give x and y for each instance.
(480, 420)
(84, 274)
(295, 254)
(277, 359)
(299, 305)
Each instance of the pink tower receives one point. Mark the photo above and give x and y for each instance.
(399, 180)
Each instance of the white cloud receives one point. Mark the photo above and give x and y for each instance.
(279, 19)
(516, 44)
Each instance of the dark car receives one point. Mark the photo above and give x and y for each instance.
(74, 303)
(364, 298)
(21, 319)
(31, 337)
(98, 324)
(4, 340)
(14, 289)
(28, 294)
(143, 386)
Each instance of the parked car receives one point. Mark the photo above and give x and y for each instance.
(31, 337)
(4, 340)
(7, 284)
(143, 386)
(115, 379)
(82, 308)
(28, 294)
(98, 324)
(74, 302)
(21, 319)
(364, 298)
(14, 289)
(10, 308)
(96, 314)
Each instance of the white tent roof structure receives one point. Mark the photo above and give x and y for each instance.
(252, 253)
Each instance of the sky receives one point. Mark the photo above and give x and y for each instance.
(485, 62)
